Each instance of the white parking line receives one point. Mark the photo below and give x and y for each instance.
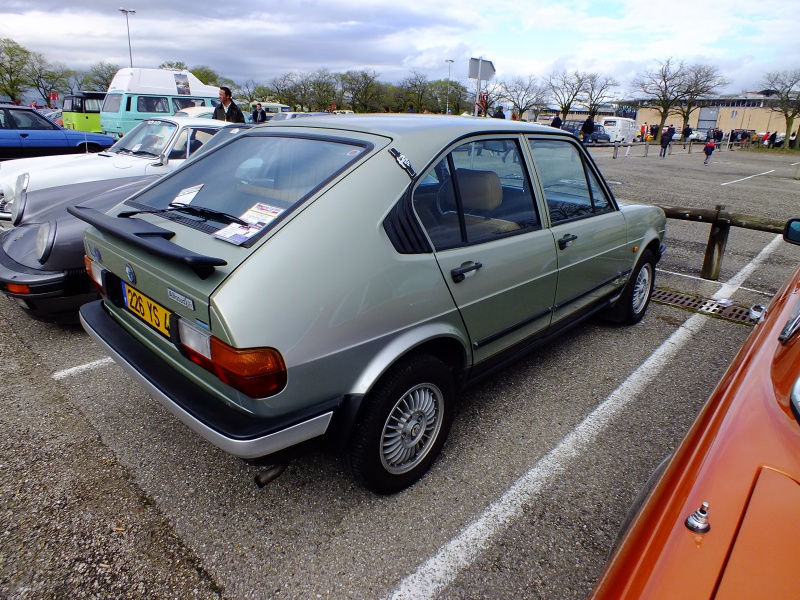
(81, 368)
(441, 570)
(749, 177)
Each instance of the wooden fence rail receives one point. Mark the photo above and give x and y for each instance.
(721, 222)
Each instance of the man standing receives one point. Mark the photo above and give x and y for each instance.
(498, 113)
(259, 114)
(587, 129)
(556, 122)
(227, 110)
(666, 138)
(687, 131)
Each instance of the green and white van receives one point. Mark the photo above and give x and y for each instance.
(139, 94)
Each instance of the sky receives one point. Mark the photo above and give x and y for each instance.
(256, 40)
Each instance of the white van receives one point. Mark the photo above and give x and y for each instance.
(620, 128)
(139, 94)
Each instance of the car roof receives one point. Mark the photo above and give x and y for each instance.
(187, 121)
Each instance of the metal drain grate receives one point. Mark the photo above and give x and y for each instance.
(711, 307)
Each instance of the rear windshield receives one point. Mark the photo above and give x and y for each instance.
(253, 177)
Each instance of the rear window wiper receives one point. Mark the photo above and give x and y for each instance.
(201, 211)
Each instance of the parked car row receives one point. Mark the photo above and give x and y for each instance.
(598, 136)
(25, 132)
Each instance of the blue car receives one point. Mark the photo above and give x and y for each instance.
(25, 132)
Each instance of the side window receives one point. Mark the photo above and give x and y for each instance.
(571, 189)
(179, 149)
(478, 192)
(31, 120)
(152, 104)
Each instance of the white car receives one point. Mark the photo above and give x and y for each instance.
(201, 112)
(155, 146)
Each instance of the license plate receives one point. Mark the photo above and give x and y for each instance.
(147, 310)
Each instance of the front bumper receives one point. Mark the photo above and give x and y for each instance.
(240, 434)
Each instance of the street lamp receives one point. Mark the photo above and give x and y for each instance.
(128, 12)
(449, 62)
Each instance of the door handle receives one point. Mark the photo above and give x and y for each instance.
(459, 274)
(23, 135)
(565, 241)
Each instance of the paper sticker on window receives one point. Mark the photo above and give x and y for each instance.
(185, 196)
(258, 216)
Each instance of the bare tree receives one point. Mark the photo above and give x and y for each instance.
(78, 80)
(283, 90)
(566, 89)
(662, 87)
(526, 95)
(785, 87)
(597, 91)
(362, 89)
(325, 90)
(47, 78)
(416, 86)
(13, 64)
(249, 91)
(100, 75)
(173, 65)
(492, 93)
(700, 81)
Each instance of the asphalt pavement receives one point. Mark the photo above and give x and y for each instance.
(103, 494)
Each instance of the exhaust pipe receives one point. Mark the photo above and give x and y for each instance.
(270, 474)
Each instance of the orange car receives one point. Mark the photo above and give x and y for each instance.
(723, 520)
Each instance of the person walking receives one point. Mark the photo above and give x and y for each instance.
(259, 114)
(556, 122)
(666, 138)
(227, 110)
(708, 150)
(644, 131)
(687, 131)
(771, 140)
(718, 135)
(587, 129)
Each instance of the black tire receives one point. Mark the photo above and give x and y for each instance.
(632, 305)
(402, 426)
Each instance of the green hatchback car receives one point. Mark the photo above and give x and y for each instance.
(340, 281)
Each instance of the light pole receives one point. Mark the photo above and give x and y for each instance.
(449, 62)
(128, 12)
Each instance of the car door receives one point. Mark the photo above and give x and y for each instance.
(37, 135)
(477, 207)
(10, 146)
(589, 231)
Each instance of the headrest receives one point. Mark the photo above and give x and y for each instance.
(480, 190)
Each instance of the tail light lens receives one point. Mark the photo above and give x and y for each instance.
(95, 272)
(257, 372)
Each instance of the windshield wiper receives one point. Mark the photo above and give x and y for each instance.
(147, 152)
(201, 211)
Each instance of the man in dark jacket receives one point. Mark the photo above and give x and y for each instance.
(259, 114)
(666, 138)
(227, 110)
(587, 129)
(556, 122)
(687, 131)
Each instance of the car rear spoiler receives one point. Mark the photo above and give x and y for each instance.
(149, 237)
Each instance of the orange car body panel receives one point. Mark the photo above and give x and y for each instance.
(742, 456)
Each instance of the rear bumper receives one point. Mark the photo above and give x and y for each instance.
(238, 433)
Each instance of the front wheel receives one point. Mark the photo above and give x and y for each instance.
(635, 299)
(403, 425)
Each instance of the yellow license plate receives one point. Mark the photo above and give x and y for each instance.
(148, 311)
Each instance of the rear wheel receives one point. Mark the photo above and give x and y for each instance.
(403, 425)
(635, 299)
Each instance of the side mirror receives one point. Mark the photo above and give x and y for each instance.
(791, 232)
(163, 160)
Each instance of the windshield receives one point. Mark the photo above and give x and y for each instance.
(148, 138)
(254, 177)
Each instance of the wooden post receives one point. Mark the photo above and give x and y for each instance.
(690, 146)
(616, 149)
(646, 146)
(715, 250)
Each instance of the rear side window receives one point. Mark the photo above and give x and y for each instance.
(181, 103)
(571, 188)
(478, 192)
(91, 105)
(152, 104)
(112, 103)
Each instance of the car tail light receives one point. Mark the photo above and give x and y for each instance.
(95, 272)
(18, 288)
(257, 372)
